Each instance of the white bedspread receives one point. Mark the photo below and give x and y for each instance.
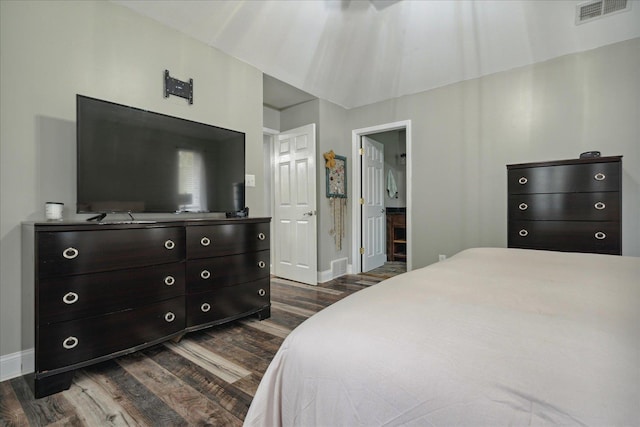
(490, 337)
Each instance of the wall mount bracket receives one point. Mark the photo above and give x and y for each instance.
(173, 86)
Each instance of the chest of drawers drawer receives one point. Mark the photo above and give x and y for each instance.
(77, 252)
(565, 206)
(589, 177)
(72, 297)
(208, 273)
(578, 236)
(231, 301)
(226, 239)
(67, 343)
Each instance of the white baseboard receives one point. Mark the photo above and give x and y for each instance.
(325, 276)
(339, 267)
(15, 364)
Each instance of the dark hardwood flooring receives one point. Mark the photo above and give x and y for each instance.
(208, 378)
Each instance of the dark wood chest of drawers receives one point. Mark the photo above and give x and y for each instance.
(569, 205)
(396, 236)
(96, 291)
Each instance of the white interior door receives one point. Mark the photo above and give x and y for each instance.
(295, 205)
(373, 211)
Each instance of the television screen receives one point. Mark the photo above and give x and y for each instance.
(132, 160)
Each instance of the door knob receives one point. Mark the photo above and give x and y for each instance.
(310, 213)
(382, 211)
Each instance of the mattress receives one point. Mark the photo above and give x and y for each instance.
(489, 337)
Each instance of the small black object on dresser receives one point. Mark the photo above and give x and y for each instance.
(95, 291)
(566, 205)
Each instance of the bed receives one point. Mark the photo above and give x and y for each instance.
(489, 337)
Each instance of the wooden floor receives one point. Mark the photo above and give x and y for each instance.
(208, 378)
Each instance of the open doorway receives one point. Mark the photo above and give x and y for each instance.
(369, 220)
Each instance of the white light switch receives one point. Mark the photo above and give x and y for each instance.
(250, 180)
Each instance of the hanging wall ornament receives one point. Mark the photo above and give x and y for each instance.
(336, 176)
(338, 212)
(337, 193)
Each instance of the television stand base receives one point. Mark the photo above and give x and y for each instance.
(45, 386)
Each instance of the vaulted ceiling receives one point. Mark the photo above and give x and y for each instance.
(356, 52)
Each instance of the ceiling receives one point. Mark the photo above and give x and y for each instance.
(280, 95)
(357, 52)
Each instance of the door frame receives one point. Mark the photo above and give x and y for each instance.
(356, 188)
(269, 180)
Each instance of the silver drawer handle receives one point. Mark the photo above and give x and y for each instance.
(600, 235)
(523, 180)
(70, 343)
(262, 264)
(523, 206)
(70, 253)
(169, 317)
(205, 307)
(70, 298)
(261, 236)
(599, 206)
(599, 177)
(205, 274)
(169, 244)
(205, 241)
(262, 292)
(169, 280)
(523, 233)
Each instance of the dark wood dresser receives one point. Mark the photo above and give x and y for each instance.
(92, 291)
(567, 205)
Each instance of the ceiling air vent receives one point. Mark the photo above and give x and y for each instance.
(586, 12)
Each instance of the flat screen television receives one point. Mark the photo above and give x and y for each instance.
(132, 160)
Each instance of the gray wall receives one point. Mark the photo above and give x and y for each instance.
(271, 118)
(332, 137)
(300, 115)
(464, 135)
(50, 51)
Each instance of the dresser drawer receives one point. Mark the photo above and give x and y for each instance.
(67, 343)
(76, 252)
(588, 177)
(73, 297)
(565, 206)
(204, 241)
(209, 273)
(227, 302)
(566, 236)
